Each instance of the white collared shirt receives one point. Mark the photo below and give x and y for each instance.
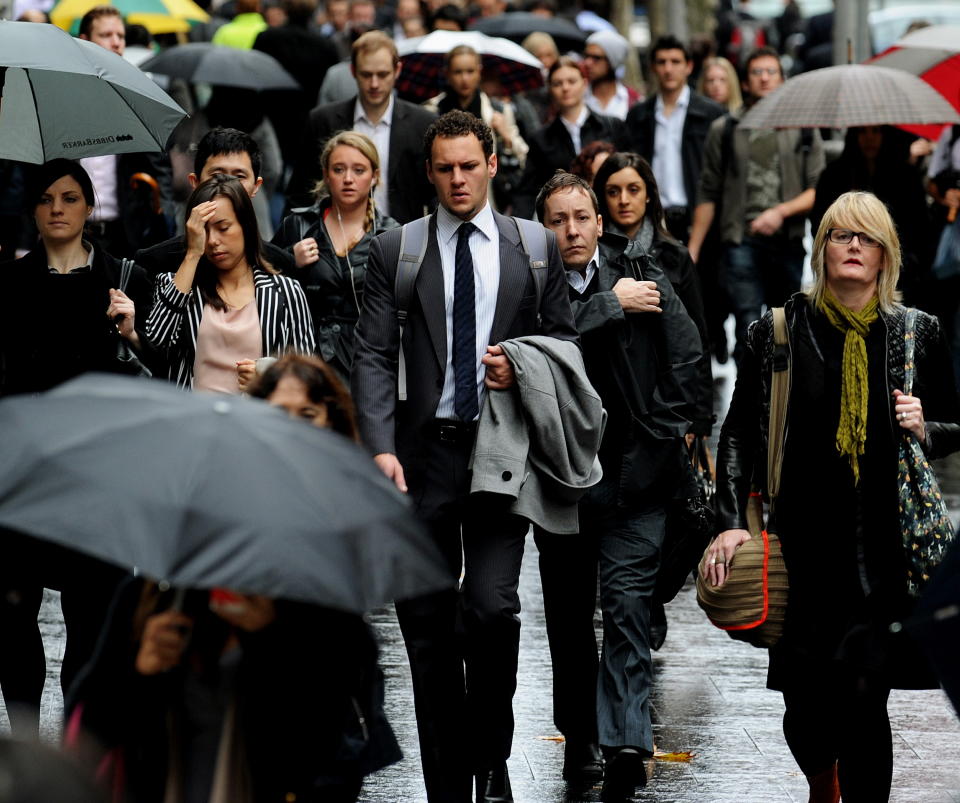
(573, 129)
(581, 281)
(103, 175)
(618, 106)
(485, 252)
(667, 146)
(380, 134)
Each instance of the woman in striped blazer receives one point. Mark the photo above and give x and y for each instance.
(226, 306)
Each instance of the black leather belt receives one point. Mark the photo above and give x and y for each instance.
(677, 211)
(451, 430)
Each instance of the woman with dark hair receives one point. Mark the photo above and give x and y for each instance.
(308, 388)
(330, 242)
(226, 306)
(630, 205)
(86, 317)
(62, 313)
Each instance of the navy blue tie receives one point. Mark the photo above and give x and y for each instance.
(464, 330)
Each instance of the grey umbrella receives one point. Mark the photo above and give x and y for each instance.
(851, 95)
(518, 25)
(205, 491)
(67, 97)
(223, 66)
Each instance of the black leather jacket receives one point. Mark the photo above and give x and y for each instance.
(742, 453)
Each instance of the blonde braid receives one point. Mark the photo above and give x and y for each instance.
(368, 223)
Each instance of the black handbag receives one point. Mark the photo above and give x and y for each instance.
(691, 523)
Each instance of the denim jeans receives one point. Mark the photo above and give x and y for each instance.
(760, 272)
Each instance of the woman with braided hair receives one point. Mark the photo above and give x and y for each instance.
(837, 509)
(331, 239)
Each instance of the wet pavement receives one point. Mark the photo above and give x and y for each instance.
(709, 699)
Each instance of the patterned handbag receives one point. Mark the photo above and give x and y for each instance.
(924, 520)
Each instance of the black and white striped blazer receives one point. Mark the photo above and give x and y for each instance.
(174, 320)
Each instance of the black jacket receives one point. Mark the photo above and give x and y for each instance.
(644, 366)
(409, 190)
(642, 125)
(333, 288)
(742, 452)
(72, 334)
(303, 737)
(551, 149)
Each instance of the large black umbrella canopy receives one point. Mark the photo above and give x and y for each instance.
(207, 491)
(518, 25)
(66, 97)
(224, 66)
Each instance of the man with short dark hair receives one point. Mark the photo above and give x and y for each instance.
(669, 129)
(225, 151)
(765, 182)
(474, 289)
(124, 217)
(395, 126)
(640, 348)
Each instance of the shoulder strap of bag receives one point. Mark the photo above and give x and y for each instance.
(533, 241)
(909, 342)
(779, 393)
(413, 248)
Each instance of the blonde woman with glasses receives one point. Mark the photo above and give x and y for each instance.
(837, 511)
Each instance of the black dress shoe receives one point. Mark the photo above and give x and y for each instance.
(658, 625)
(582, 763)
(493, 786)
(624, 772)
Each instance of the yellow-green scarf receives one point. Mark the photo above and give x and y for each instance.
(854, 392)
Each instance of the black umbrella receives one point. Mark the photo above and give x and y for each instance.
(518, 25)
(209, 491)
(223, 66)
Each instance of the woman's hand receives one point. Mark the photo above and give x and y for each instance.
(720, 553)
(306, 252)
(165, 637)
(910, 414)
(121, 306)
(196, 228)
(246, 371)
(499, 124)
(250, 613)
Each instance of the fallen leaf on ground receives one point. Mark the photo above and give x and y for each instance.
(681, 755)
(558, 738)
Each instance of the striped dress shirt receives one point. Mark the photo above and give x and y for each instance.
(485, 252)
(173, 323)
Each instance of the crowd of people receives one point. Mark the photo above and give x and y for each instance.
(514, 303)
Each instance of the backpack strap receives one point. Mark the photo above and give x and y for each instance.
(533, 241)
(413, 247)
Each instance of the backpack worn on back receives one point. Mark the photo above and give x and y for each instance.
(414, 238)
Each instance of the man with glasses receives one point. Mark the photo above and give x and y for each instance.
(763, 181)
(605, 53)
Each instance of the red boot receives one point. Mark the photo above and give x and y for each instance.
(824, 786)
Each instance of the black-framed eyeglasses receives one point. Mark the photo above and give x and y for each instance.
(594, 57)
(845, 237)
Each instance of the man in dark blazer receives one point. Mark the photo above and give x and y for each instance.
(475, 287)
(396, 127)
(551, 149)
(654, 124)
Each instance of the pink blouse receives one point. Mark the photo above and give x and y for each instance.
(224, 338)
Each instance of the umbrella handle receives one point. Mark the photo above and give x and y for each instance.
(151, 182)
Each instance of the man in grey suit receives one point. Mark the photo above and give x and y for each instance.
(395, 126)
(475, 288)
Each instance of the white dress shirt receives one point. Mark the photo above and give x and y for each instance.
(667, 144)
(573, 129)
(618, 106)
(485, 252)
(380, 134)
(103, 174)
(581, 281)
